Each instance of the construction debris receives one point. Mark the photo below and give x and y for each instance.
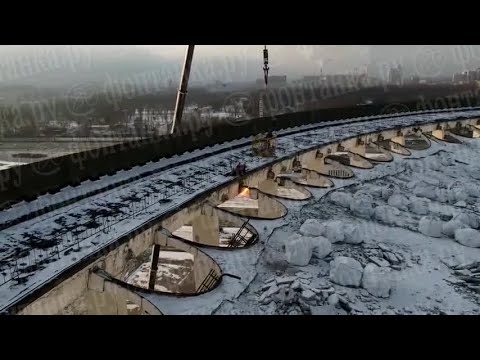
(346, 271)
(312, 227)
(376, 281)
(467, 277)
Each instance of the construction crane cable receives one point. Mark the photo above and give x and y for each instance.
(265, 75)
(265, 65)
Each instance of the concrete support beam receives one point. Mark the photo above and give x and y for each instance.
(104, 297)
(101, 303)
(206, 229)
(476, 131)
(268, 186)
(439, 134)
(121, 302)
(269, 208)
(154, 267)
(161, 238)
(308, 157)
(398, 140)
(358, 149)
(95, 282)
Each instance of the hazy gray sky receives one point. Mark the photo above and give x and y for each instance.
(52, 65)
(286, 53)
(300, 55)
(336, 57)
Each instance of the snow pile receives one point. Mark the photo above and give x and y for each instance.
(433, 164)
(442, 195)
(342, 199)
(451, 226)
(375, 190)
(442, 210)
(468, 219)
(312, 227)
(399, 201)
(386, 214)
(333, 300)
(298, 250)
(412, 184)
(334, 231)
(431, 181)
(375, 280)
(472, 190)
(447, 160)
(346, 271)
(362, 205)
(430, 226)
(353, 234)
(457, 193)
(475, 174)
(439, 162)
(418, 206)
(321, 246)
(468, 237)
(388, 191)
(338, 231)
(425, 190)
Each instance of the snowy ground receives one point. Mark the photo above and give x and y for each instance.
(40, 247)
(375, 218)
(173, 267)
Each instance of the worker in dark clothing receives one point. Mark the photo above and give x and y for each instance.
(240, 170)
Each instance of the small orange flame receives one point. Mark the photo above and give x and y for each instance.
(245, 192)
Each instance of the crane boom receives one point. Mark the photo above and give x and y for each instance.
(182, 92)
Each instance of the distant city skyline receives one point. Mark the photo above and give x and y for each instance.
(64, 65)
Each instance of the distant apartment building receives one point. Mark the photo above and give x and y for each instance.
(414, 80)
(473, 75)
(458, 78)
(466, 76)
(313, 78)
(343, 80)
(346, 80)
(395, 76)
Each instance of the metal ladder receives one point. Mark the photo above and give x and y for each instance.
(238, 239)
(208, 283)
